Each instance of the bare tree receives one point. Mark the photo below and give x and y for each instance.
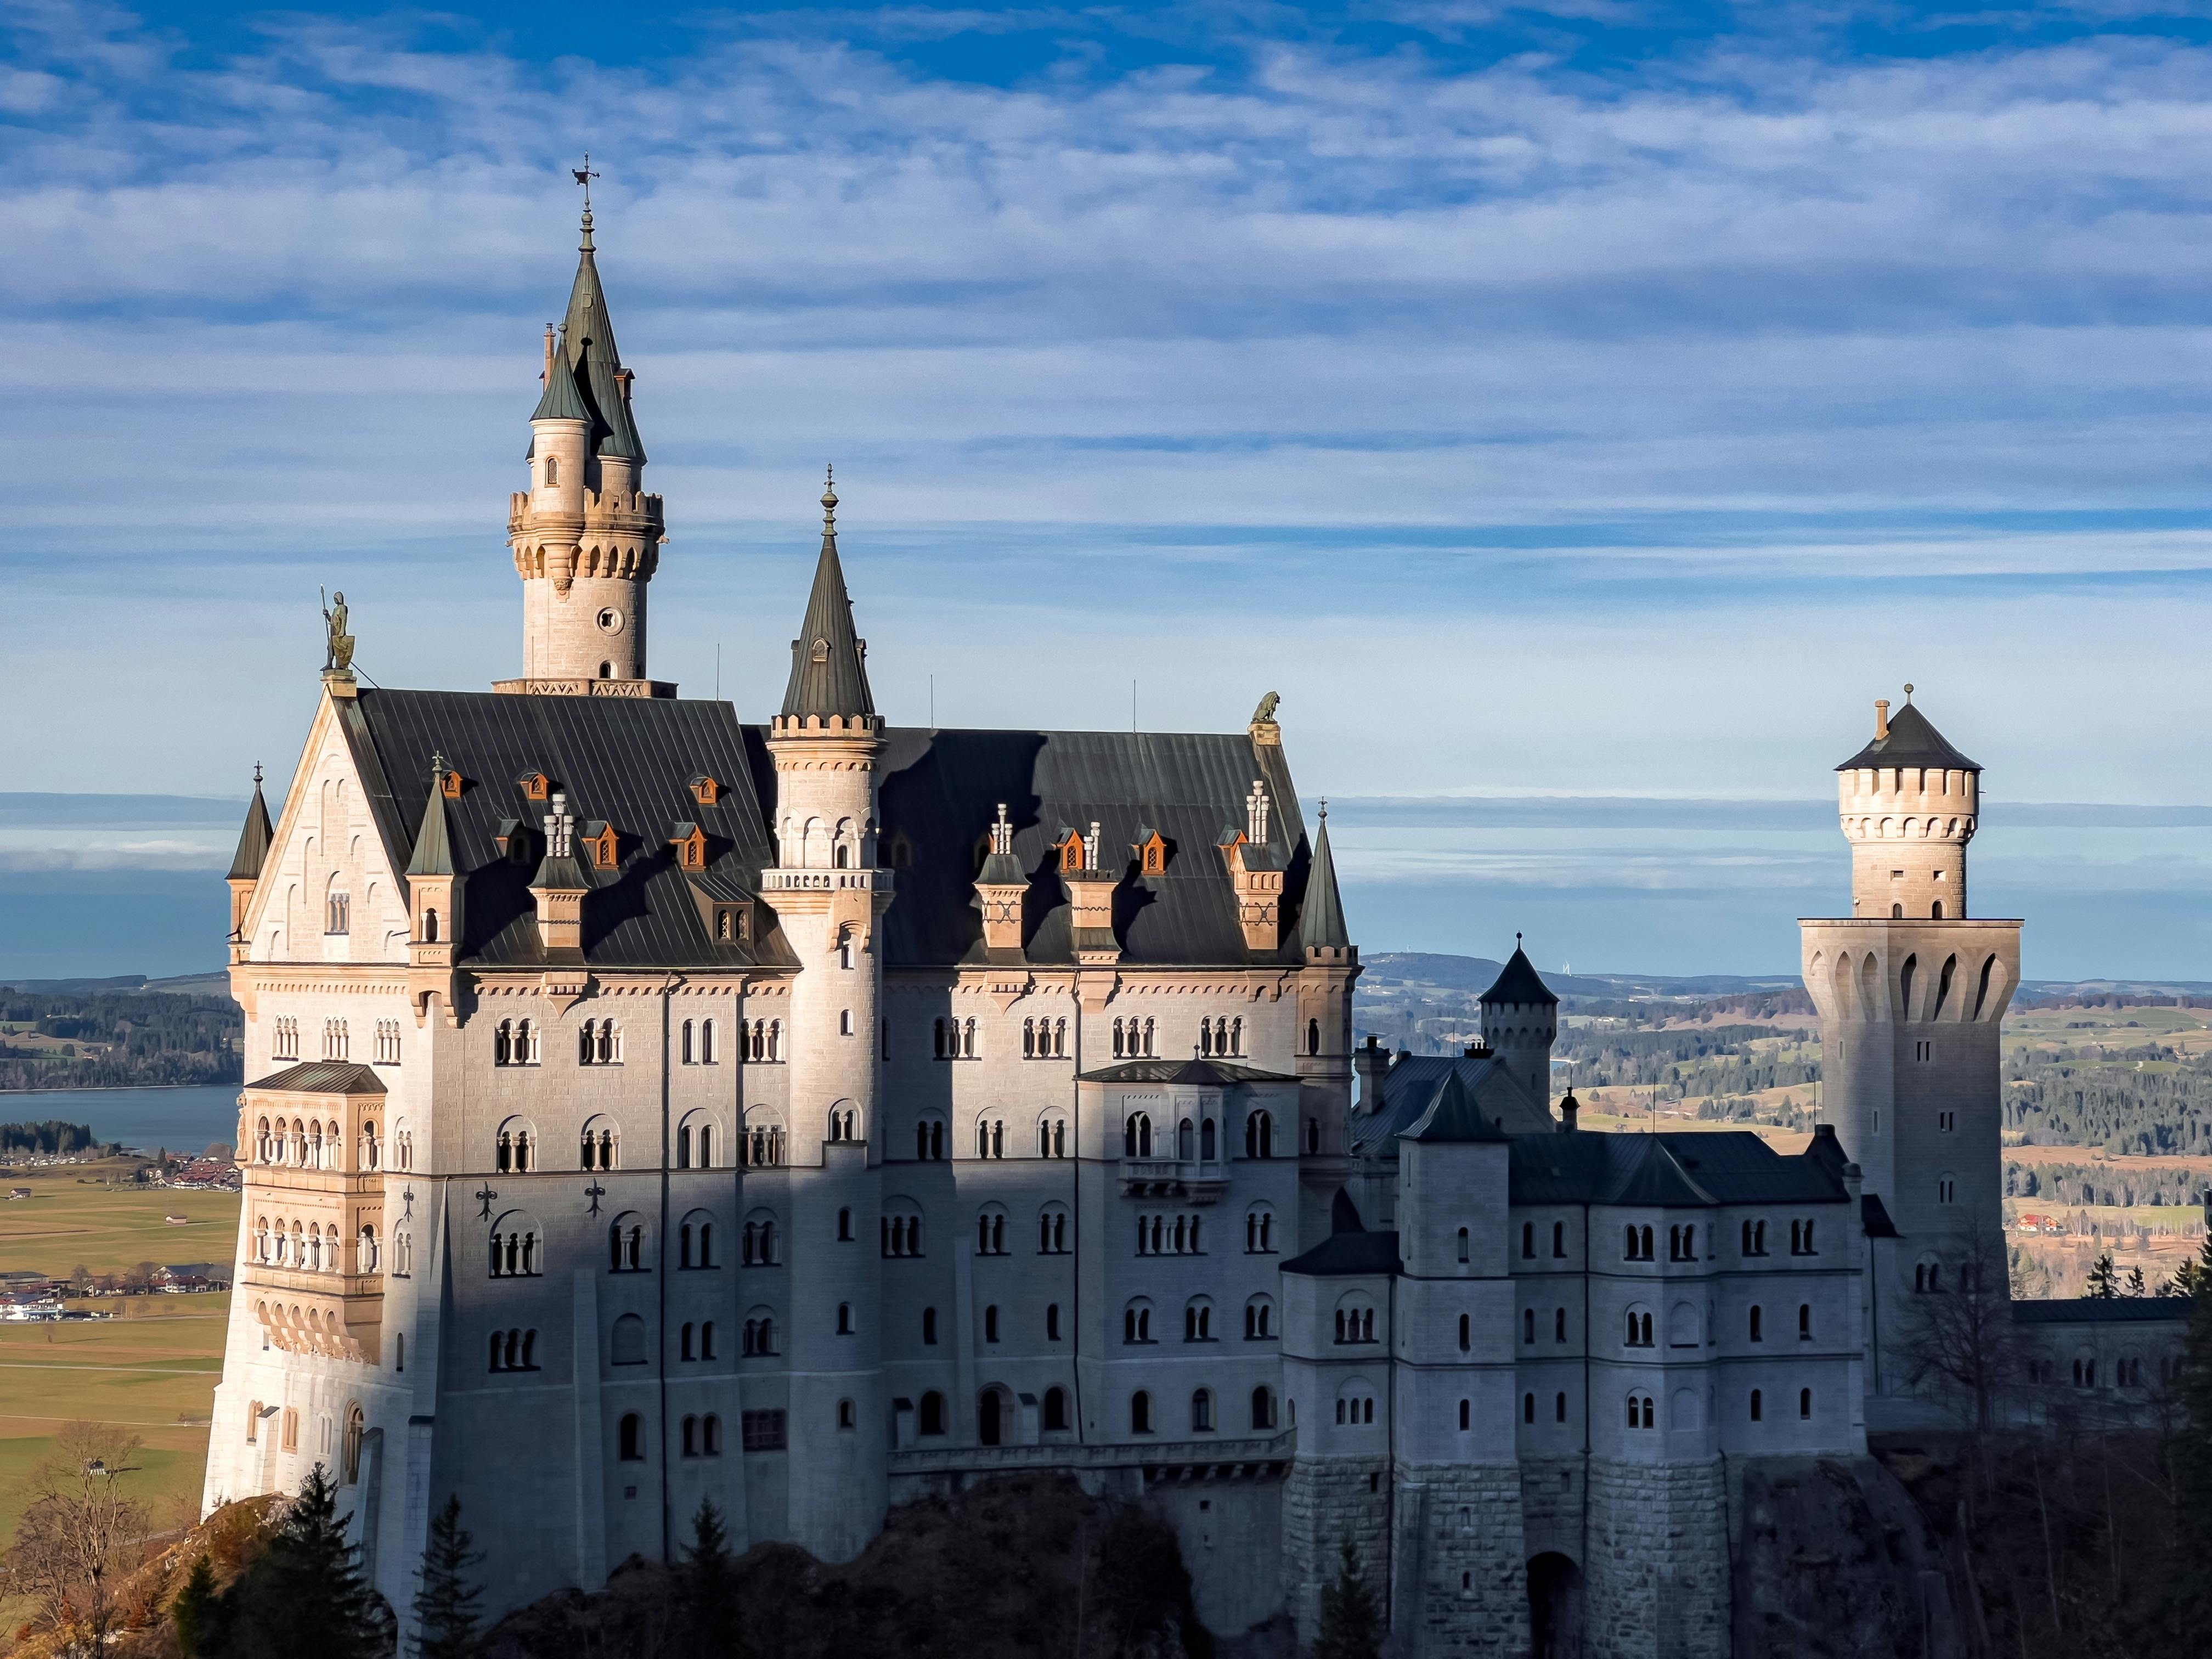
(79, 1532)
(1958, 1337)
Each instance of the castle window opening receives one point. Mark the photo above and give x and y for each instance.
(1754, 1238)
(1052, 1231)
(1259, 1135)
(758, 1336)
(1559, 1324)
(626, 1245)
(991, 1232)
(1757, 1405)
(1804, 1321)
(628, 1346)
(1201, 1412)
(845, 1226)
(930, 1420)
(1529, 1325)
(1528, 1242)
(991, 1322)
(515, 1249)
(1056, 1410)
(1263, 1408)
(1757, 1334)
(848, 1414)
(765, 1431)
(1137, 1135)
(929, 1328)
(1052, 1322)
(1466, 1334)
(1640, 1411)
(1805, 1404)
(630, 1438)
(844, 1318)
(1259, 1231)
(1640, 1328)
(1140, 1412)
(759, 1245)
(1259, 1319)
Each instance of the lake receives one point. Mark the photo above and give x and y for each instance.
(182, 1119)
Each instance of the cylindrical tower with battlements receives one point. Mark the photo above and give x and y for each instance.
(1911, 994)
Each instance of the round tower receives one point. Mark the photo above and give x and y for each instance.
(1520, 1018)
(1909, 803)
(585, 535)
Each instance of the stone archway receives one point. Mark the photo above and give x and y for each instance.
(1555, 1607)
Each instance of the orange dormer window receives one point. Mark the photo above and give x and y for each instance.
(452, 785)
(1071, 851)
(1152, 855)
(604, 848)
(535, 786)
(690, 844)
(706, 790)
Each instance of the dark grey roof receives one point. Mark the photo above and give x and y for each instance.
(1211, 1072)
(625, 760)
(1454, 1116)
(254, 837)
(1413, 1083)
(323, 1077)
(1913, 741)
(1321, 920)
(1343, 1254)
(560, 400)
(589, 337)
(433, 840)
(2103, 1311)
(1518, 982)
(941, 791)
(1688, 1170)
(1874, 1216)
(828, 675)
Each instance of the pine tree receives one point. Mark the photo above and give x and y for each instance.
(2135, 1281)
(707, 1588)
(305, 1598)
(1350, 1622)
(446, 1615)
(197, 1614)
(2103, 1280)
(2193, 1277)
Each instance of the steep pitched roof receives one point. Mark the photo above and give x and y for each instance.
(1321, 918)
(1913, 741)
(434, 839)
(254, 837)
(828, 675)
(1415, 1082)
(1519, 982)
(590, 340)
(560, 400)
(1688, 1170)
(1344, 1255)
(1453, 1116)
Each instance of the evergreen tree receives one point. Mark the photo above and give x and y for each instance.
(197, 1614)
(1350, 1621)
(2187, 1606)
(446, 1615)
(2193, 1277)
(305, 1598)
(2135, 1281)
(707, 1588)
(2103, 1280)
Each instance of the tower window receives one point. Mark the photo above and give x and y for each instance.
(606, 671)
(552, 470)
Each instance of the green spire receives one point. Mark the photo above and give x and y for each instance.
(590, 347)
(1321, 918)
(829, 675)
(254, 837)
(433, 843)
(562, 400)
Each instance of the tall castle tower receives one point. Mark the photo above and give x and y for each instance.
(1911, 993)
(829, 896)
(585, 536)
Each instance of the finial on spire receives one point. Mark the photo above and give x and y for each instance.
(1908, 690)
(256, 775)
(829, 500)
(1324, 809)
(437, 763)
(1517, 938)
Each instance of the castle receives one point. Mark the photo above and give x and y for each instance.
(648, 1106)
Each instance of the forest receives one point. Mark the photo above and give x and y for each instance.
(112, 1039)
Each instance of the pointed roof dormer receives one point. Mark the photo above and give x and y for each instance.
(828, 667)
(255, 836)
(1321, 918)
(1453, 1115)
(588, 343)
(562, 400)
(433, 843)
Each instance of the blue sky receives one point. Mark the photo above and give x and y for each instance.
(1596, 401)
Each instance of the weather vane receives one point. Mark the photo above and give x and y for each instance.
(584, 177)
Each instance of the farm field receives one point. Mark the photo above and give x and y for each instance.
(153, 1367)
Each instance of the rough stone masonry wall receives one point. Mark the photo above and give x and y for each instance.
(1656, 1583)
(1462, 1578)
(1324, 1502)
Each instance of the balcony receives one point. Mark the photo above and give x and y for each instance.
(825, 881)
(1198, 1180)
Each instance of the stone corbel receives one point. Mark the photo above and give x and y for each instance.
(854, 907)
(1095, 988)
(564, 988)
(561, 565)
(1005, 990)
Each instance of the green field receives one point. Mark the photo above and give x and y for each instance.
(150, 1370)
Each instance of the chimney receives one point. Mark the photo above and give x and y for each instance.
(1372, 1062)
(1570, 1108)
(546, 373)
(1880, 720)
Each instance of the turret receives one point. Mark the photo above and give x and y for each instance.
(1329, 963)
(585, 535)
(1520, 1018)
(254, 838)
(1910, 803)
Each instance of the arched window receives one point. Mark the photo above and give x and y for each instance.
(690, 1052)
(991, 1322)
(1528, 1325)
(1056, 1410)
(1259, 1135)
(1140, 1412)
(844, 1318)
(1263, 1408)
(1640, 1412)
(515, 1250)
(1201, 1412)
(1136, 1322)
(1757, 1317)
(627, 1346)
(626, 1243)
(931, 1417)
(1758, 1409)
(1198, 1320)
(757, 1337)
(1313, 1037)
(758, 1248)
(1137, 1135)
(631, 1438)
(1639, 1328)
(1466, 1337)
(350, 1456)
(991, 1230)
(1259, 1319)
(695, 1240)
(1805, 1321)
(1052, 1229)
(1805, 1405)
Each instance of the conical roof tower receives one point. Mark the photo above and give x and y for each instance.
(829, 659)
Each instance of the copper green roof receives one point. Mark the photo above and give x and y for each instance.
(590, 342)
(560, 400)
(828, 675)
(1321, 919)
(254, 837)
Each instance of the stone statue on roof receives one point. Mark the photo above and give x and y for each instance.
(1265, 714)
(338, 654)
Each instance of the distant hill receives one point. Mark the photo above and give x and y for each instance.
(1475, 974)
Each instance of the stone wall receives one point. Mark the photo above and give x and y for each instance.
(1658, 1574)
(1324, 1502)
(1461, 1583)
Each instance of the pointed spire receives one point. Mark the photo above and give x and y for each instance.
(828, 667)
(433, 841)
(561, 400)
(588, 336)
(1321, 918)
(254, 837)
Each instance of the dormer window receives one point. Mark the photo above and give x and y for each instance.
(901, 851)
(729, 926)
(1152, 855)
(1071, 851)
(603, 846)
(706, 790)
(452, 784)
(689, 842)
(535, 786)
